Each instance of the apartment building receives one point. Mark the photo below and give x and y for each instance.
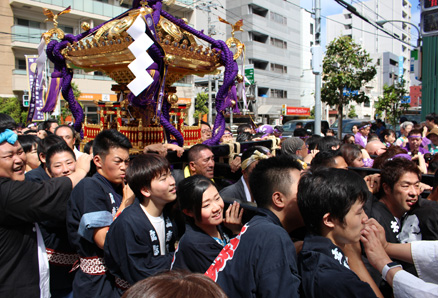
(391, 56)
(23, 23)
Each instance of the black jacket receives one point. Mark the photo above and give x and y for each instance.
(325, 272)
(259, 262)
(197, 250)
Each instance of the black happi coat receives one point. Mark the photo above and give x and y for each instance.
(22, 203)
(132, 248)
(55, 237)
(93, 203)
(197, 250)
(325, 272)
(259, 262)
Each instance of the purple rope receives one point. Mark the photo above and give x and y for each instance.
(231, 70)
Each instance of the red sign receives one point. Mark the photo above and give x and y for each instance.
(293, 111)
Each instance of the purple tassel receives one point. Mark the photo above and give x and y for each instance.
(52, 93)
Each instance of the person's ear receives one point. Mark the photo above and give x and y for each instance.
(145, 192)
(42, 157)
(278, 199)
(98, 161)
(328, 220)
(188, 212)
(386, 189)
(192, 167)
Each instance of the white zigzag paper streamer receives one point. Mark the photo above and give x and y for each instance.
(41, 60)
(142, 60)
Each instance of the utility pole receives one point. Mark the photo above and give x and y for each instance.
(206, 6)
(317, 66)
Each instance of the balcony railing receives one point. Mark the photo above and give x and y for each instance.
(89, 6)
(95, 7)
(26, 34)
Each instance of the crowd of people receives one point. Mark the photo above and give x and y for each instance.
(318, 217)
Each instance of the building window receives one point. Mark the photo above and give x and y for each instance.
(259, 64)
(278, 43)
(311, 29)
(257, 36)
(277, 93)
(66, 29)
(278, 68)
(348, 26)
(278, 18)
(258, 10)
(20, 64)
(27, 23)
(367, 104)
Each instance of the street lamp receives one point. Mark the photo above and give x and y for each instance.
(382, 22)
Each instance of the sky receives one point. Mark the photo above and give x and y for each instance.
(330, 7)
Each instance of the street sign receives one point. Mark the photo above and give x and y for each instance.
(295, 111)
(406, 99)
(348, 92)
(249, 73)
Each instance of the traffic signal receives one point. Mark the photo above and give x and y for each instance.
(429, 17)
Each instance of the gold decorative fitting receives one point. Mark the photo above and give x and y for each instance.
(54, 18)
(235, 45)
(172, 99)
(85, 26)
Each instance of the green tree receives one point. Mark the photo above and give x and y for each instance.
(12, 107)
(391, 102)
(201, 105)
(352, 112)
(346, 68)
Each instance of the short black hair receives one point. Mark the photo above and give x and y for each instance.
(190, 192)
(326, 143)
(271, 175)
(107, 139)
(415, 131)
(143, 169)
(193, 152)
(325, 159)
(57, 148)
(328, 190)
(88, 146)
(241, 128)
(27, 142)
(7, 122)
(46, 143)
(393, 169)
(206, 123)
(73, 131)
(301, 132)
(48, 123)
(432, 117)
(313, 142)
